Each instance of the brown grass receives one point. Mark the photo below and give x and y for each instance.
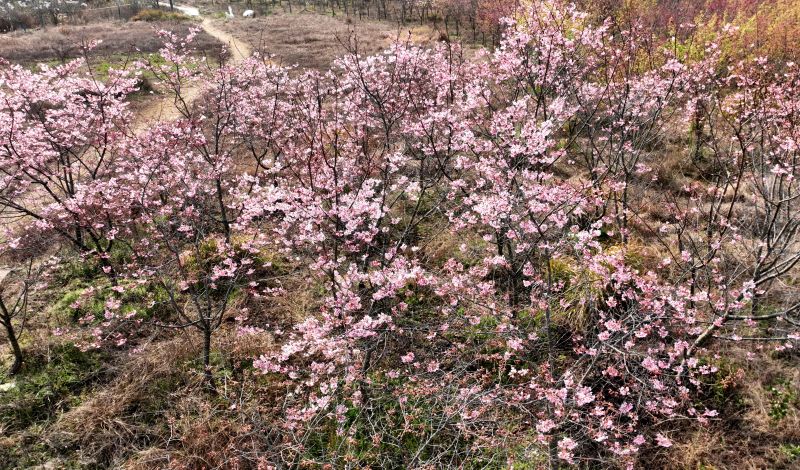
(110, 421)
(158, 15)
(62, 43)
(748, 435)
(156, 414)
(314, 40)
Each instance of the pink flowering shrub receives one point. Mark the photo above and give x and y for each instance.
(468, 228)
(60, 133)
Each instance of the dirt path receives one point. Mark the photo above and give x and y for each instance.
(164, 109)
(239, 49)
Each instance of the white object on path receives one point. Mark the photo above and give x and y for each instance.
(248, 13)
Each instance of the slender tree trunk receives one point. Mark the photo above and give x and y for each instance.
(552, 445)
(17, 365)
(79, 239)
(12, 338)
(625, 211)
(209, 377)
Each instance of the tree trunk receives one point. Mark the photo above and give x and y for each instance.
(12, 338)
(209, 377)
(17, 365)
(552, 461)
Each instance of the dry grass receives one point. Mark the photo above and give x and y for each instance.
(313, 40)
(759, 428)
(110, 421)
(62, 43)
(157, 414)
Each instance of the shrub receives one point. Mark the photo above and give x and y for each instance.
(158, 15)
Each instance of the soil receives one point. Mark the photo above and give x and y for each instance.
(164, 109)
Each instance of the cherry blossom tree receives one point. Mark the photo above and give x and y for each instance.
(58, 155)
(471, 230)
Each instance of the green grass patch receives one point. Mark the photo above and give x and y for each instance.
(47, 386)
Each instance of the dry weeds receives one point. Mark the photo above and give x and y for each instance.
(65, 42)
(106, 422)
(755, 431)
(314, 40)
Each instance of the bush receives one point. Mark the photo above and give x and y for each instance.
(158, 15)
(782, 398)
